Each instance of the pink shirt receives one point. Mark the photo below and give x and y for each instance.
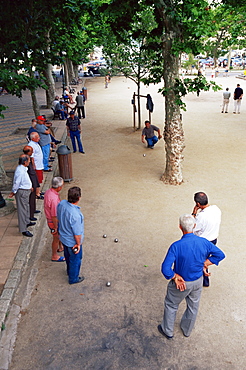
(51, 201)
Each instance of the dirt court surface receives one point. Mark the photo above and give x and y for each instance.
(91, 326)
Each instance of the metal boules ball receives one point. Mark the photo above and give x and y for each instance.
(116, 240)
(104, 236)
(108, 283)
(144, 155)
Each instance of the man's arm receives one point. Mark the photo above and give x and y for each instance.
(159, 134)
(143, 137)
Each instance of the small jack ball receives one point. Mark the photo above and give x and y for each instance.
(144, 155)
(104, 236)
(116, 240)
(108, 283)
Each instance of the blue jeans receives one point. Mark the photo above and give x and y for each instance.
(46, 154)
(73, 262)
(62, 113)
(73, 135)
(152, 141)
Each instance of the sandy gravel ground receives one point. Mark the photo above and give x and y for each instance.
(91, 326)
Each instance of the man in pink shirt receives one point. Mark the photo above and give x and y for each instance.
(51, 201)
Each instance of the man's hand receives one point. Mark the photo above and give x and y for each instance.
(195, 210)
(11, 195)
(205, 271)
(180, 283)
(68, 133)
(159, 137)
(77, 246)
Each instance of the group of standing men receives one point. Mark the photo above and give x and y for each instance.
(66, 224)
(237, 96)
(29, 173)
(186, 264)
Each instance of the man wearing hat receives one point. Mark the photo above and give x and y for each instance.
(44, 142)
(74, 130)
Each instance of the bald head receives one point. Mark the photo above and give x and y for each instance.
(35, 137)
(28, 150)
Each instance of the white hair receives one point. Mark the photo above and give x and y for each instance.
(57, 182)
(187, 222)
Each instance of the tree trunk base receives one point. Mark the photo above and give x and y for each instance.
(170, 181)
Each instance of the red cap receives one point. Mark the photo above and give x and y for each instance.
(41, 118)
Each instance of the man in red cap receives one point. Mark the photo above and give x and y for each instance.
(44, 142)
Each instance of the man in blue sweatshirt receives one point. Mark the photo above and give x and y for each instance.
(184, 264)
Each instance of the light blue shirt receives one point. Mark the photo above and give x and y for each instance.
(71, 222)
(21, 179)
(44, 138)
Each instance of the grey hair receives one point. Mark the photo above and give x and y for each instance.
(33, 134)
(57, 182)
(187, 223)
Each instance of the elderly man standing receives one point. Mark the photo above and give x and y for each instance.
(44, 142)
(51, 201)
(35, 184)
(22, 187)
(74, 131)
(184, 264)
(71, 231)
(208, 219)
(148, 134)
(37, 155)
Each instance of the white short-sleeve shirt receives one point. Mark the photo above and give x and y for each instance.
(208, 223)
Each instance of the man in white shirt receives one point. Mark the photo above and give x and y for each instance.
(22, 187)
(37, 155)
(208, 219)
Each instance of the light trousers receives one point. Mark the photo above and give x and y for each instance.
(23, 210)
(237, 105)
(174, 297)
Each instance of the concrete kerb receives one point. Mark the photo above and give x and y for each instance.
(23, 254)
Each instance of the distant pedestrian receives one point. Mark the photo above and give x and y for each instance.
(22, 187)
(107, 80)
(238, 95)
(71, 232)
(183, 265)
(80, 104)
(51, 201)
(226, 99)
(74, 131)
(148, 134)
(208, 219)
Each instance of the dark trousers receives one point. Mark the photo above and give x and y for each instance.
(73, 262)
(206, 278)
(32, 203)
(81, 110)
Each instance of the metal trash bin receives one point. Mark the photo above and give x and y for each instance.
(84, 89)
(65, 162)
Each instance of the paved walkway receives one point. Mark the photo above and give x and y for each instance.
(13, 129)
